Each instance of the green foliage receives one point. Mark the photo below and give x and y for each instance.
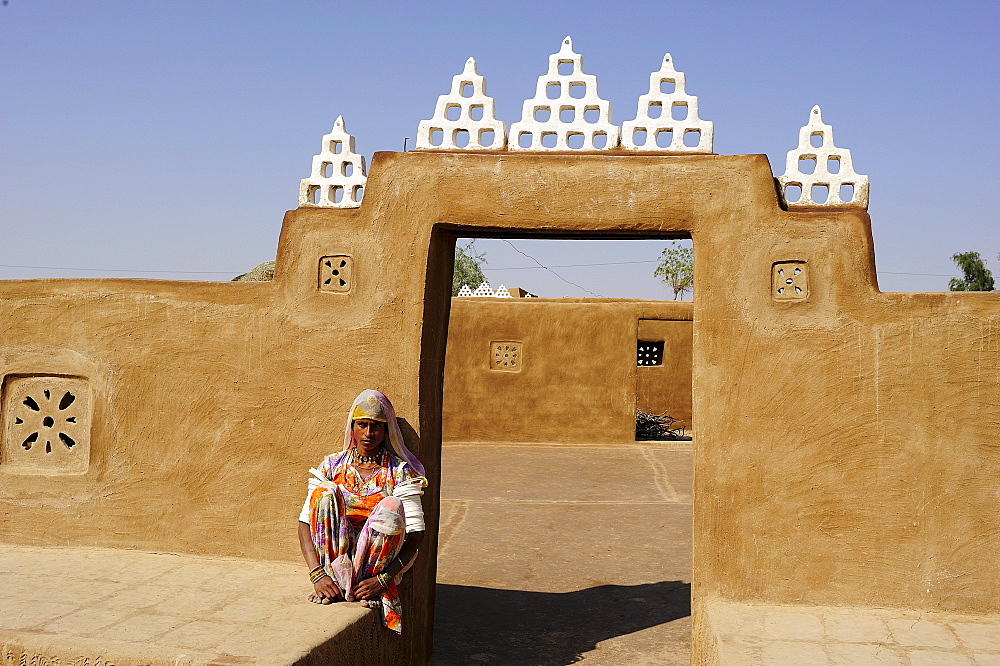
(976, 276)
(468, 267)
(676, 269)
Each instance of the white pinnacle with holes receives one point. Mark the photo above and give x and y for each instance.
(502, 292)
(474, 117)
(465, 291)
(483, 290)
(824, 156)
(565, 113)
(658, 117)
(338, 173)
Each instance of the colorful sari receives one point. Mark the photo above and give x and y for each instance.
(357, 526)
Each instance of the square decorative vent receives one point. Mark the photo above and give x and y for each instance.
(506, 356)
(789, 281)
(649, 352)
(335, 273)
(46, 424)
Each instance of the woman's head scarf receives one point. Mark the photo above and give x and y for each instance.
(371, 404)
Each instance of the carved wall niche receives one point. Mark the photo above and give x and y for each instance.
(789, 281)
(46, 424)
(505, 356)
(335, 273)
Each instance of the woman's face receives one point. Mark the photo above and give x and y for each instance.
(369, 434)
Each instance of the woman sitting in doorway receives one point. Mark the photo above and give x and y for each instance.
(362, 521)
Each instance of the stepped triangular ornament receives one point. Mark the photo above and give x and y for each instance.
(338, 173)
(465, 116)
(667, 118)
(565, 113)
(817, 163)
(483, 290)
(502, 292)
(465, 291)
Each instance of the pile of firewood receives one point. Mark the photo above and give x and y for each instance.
(656, 427)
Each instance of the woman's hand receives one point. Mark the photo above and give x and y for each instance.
(368, 589)
(327, 591)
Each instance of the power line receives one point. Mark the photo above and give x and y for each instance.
(506, 268)
(605, 263)
(118, 270)
(550, 270)
(653, 261)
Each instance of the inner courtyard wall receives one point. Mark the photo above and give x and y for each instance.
(575, 377)
(846, 438)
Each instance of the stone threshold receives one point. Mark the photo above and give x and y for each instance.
(762, 635)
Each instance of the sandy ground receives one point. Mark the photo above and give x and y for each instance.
(564, 554)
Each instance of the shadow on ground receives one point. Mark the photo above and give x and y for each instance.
(477, 625)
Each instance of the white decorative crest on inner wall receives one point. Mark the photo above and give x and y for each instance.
(667, 117)
(483, 290)
(812, 167)
(338, 173)
(565, 113)
(502, 292)
(465, 291)
(465, 118)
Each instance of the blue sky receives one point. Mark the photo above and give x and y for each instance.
(171, 136)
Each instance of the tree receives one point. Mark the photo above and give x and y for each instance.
(468, 267)
(676, 269)
(977, 276)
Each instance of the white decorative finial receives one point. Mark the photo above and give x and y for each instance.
(466, 114)
(502, 292)
(826, 166)
(338, 173)
(667, 117)
(565, 113)
(483, 290)
(465, 291)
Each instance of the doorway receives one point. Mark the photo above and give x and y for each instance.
(561, 538)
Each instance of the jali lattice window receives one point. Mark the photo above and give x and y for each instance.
(649, 352)
(46, 424)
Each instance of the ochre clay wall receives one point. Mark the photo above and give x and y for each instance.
(666, 389)
(212, 400)
(846, 447)
(576, 378)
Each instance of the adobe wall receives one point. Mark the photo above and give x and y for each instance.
(210, 401)
(575, 377)
(846, 447)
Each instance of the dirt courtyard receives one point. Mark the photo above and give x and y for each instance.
(555, 554)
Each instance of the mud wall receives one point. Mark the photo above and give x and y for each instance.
(846, 447)
(574, 377)
(665, 389)
(210, 401)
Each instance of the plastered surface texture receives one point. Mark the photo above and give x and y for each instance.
(846, 441)
(575, 378)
